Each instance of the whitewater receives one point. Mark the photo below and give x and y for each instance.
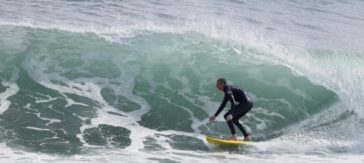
(134, 81)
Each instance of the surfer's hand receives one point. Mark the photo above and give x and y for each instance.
(229, 117)
(212, 118)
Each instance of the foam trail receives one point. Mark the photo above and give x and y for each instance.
(11, 90)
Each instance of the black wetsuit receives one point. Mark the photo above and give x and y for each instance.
(235, 94)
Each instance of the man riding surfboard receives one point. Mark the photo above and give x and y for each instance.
(240, 105)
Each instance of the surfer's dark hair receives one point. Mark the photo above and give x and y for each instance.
(222, 80)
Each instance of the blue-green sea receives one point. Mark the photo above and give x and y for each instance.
(134, 80)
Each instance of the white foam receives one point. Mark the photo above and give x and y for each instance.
(110, 155)
(37, 128)
(11, 89)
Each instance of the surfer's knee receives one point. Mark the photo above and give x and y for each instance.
(235, 120)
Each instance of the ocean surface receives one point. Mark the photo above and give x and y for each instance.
(134, 81)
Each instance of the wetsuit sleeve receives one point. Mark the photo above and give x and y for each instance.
(223, 104)
(230, 97)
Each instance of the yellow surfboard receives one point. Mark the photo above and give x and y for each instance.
(225, 142)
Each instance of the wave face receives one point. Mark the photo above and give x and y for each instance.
(134, 80)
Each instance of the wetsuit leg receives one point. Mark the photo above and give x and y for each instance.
(239, 111)
(230, 124)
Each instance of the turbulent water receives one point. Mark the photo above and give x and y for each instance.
(134, 81)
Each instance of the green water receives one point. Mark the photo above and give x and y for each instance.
(166, 82)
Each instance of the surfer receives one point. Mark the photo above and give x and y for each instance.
(240, 105)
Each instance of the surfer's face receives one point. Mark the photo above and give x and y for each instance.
(219, 85)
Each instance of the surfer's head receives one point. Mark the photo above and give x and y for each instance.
(220, 84)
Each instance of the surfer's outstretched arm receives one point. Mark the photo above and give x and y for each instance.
(222, 106)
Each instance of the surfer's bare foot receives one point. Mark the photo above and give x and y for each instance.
(247, 138)
(233, 137)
